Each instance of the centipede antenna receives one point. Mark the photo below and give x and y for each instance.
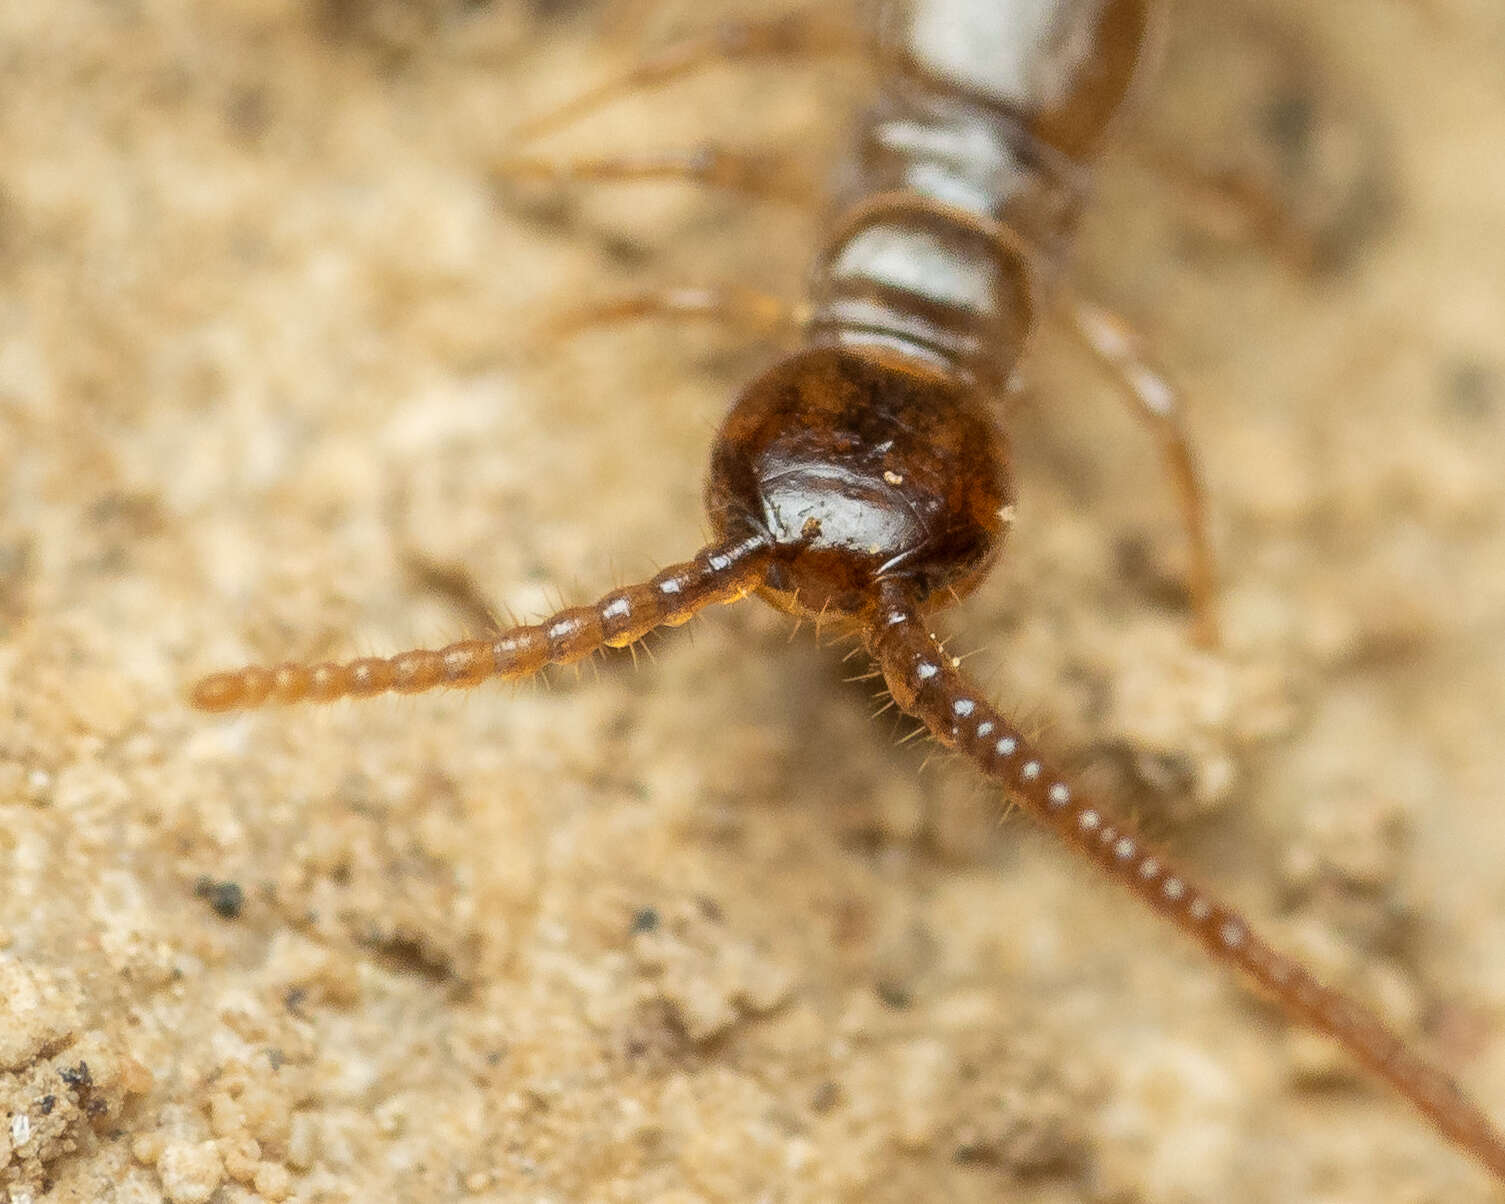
(930, 688)
(718, 574)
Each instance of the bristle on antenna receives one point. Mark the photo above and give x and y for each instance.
(721, 573)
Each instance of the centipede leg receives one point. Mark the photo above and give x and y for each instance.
(761, 314)
(1157, 401)
(766, 176)
(804, 35)
(1220, 198)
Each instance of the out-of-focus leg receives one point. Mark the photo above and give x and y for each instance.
(1158, 403)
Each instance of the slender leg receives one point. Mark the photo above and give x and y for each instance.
(759, 312)
(795, 36)
(1157, 401)
(1240, 198)
(769, 176)
(925, 682)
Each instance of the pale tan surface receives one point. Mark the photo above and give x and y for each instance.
(258, 365)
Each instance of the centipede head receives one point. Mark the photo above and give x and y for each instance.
(861, 467)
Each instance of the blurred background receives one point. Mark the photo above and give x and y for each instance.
(271, 385)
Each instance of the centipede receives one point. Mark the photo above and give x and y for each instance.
(862, 481)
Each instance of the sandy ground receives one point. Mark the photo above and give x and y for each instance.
(702, 930)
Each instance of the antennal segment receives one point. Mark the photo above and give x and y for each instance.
(925, 682)
(721, 573)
